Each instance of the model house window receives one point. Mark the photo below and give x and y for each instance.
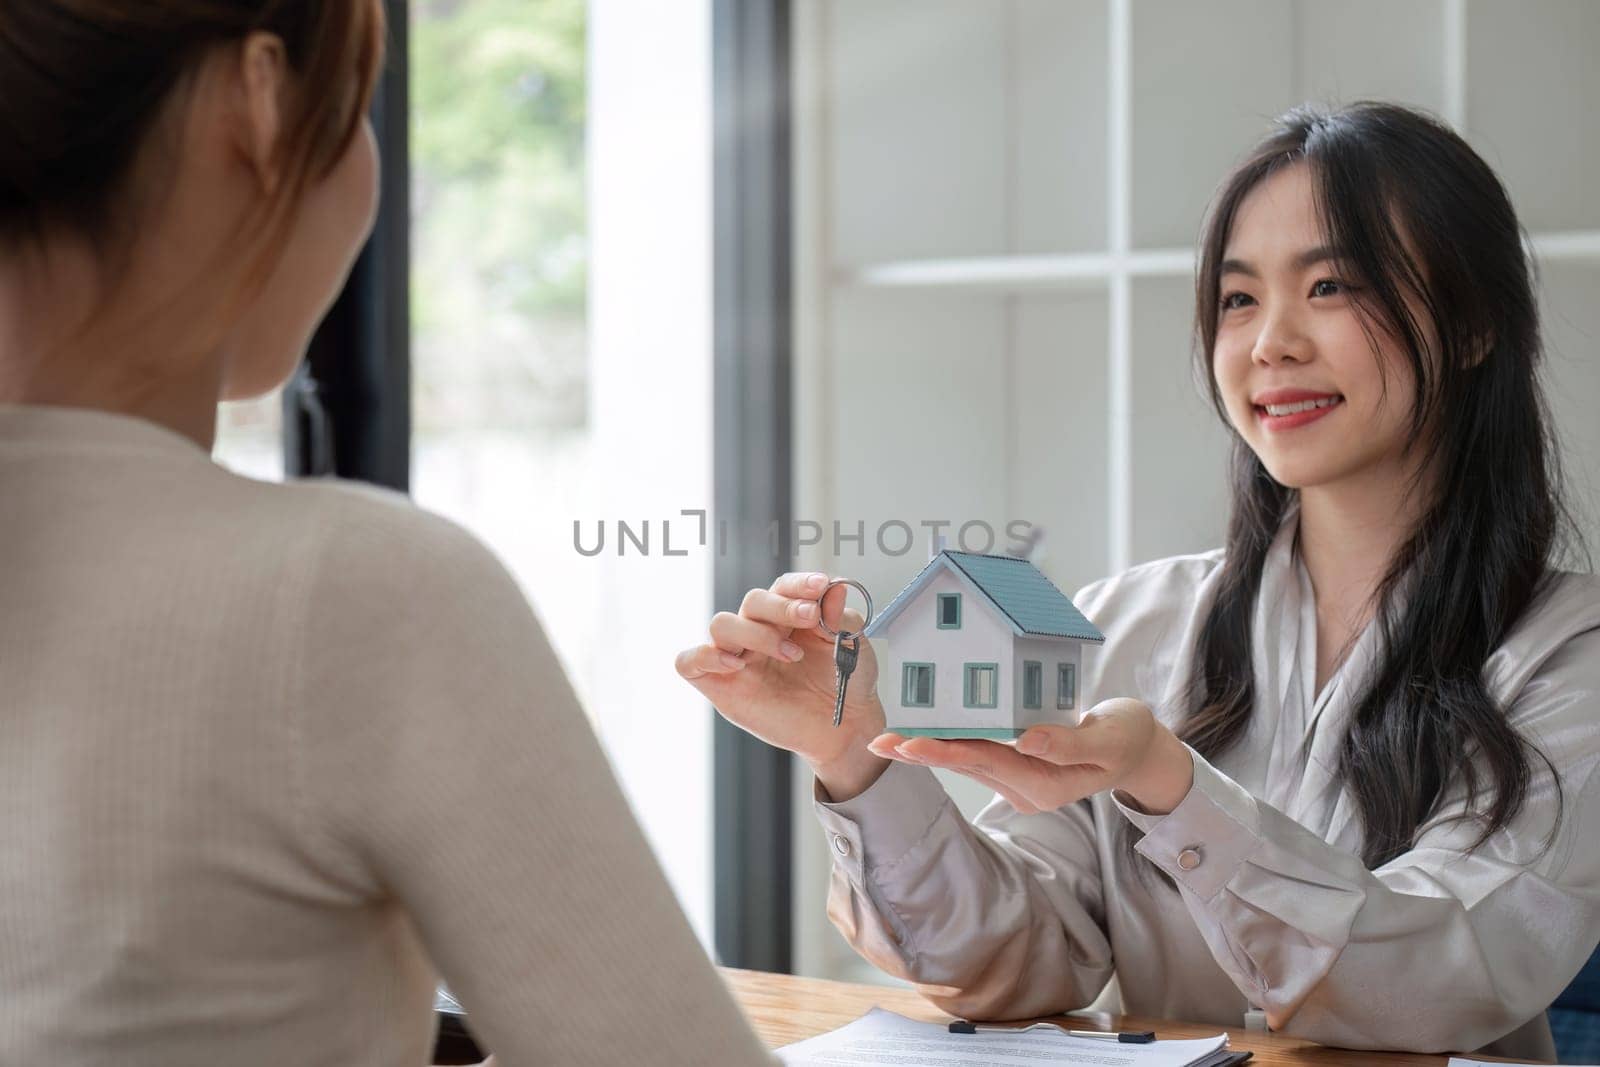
(916, 685)
(949, 611)
(981, 685)
(1066, 685)
(1032, 684)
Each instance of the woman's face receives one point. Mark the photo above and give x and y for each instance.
(1318, 402)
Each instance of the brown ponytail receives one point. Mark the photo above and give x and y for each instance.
(83, 82)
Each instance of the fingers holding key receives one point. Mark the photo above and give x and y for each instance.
(800, 585)
(799, 599)
(739, 634)
(764, 605)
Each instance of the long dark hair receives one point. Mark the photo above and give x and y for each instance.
(1484, 545)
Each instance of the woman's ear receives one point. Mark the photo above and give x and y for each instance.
(263, 79)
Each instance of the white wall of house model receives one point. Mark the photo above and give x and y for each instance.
(979, 646)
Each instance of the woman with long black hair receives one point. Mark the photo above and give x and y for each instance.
(1340, 780)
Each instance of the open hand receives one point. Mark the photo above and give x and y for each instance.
(1118, 744)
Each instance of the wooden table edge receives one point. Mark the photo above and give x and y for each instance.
(786, 1008)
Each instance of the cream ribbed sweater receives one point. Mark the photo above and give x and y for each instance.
(268, 750)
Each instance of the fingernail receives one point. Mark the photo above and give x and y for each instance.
(816, 581)
(806, 610)
(913, 757)
(791, 651)
(732, 661)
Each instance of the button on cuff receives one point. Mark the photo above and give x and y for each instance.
(887, 819)
(1205, 839)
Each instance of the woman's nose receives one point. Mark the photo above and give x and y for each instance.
(1280, 339)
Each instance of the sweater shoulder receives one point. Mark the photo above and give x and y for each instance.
(370, 535)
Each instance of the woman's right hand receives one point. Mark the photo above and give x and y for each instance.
(769, 670)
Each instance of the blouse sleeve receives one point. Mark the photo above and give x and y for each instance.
(1442, 948)
(998, 919)
(451, 776)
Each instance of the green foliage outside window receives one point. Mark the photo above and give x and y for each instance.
(499, 258)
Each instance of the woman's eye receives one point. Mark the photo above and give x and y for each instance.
(1234, 300)
(1319, 290)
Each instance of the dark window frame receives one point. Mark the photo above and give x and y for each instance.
(347, 411)
(753, 471)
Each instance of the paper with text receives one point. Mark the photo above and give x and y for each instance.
(882, 1037)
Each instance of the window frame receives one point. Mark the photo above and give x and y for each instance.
(906, 689)
(969, 686)
(753, 475)
(938, 616)
(1066, 685)
(1035, 669)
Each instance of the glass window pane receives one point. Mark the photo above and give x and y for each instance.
(535, 389)
(1066, 685)
(250, 437)
(917, 685)
(499, 288)
(981, 684)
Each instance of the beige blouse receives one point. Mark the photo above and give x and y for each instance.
(1440, 949)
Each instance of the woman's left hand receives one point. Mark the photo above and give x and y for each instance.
(1118, 744)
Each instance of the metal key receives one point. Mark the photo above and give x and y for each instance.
(846, 645)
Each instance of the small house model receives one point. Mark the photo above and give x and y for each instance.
(979, 646)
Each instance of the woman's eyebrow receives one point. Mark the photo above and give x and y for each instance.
(1310, 257)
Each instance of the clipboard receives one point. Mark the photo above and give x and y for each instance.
(1224, 1057)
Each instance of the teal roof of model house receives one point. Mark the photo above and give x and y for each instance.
(1018, 591)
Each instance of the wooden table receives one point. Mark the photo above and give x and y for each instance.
(784, 1009)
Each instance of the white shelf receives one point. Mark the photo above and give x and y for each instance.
(1575, 246)
(1081, 271)
(1093, 271)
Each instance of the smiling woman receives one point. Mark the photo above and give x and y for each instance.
(1357, 744)
(1374, 258)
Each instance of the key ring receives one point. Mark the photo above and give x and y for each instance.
(858, 587)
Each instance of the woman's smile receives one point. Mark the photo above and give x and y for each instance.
(1288, 409)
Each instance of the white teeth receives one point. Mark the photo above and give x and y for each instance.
(1302, 405)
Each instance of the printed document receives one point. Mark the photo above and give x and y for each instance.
(882, 1037)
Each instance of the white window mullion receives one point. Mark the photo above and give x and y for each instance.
(1119, 176)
